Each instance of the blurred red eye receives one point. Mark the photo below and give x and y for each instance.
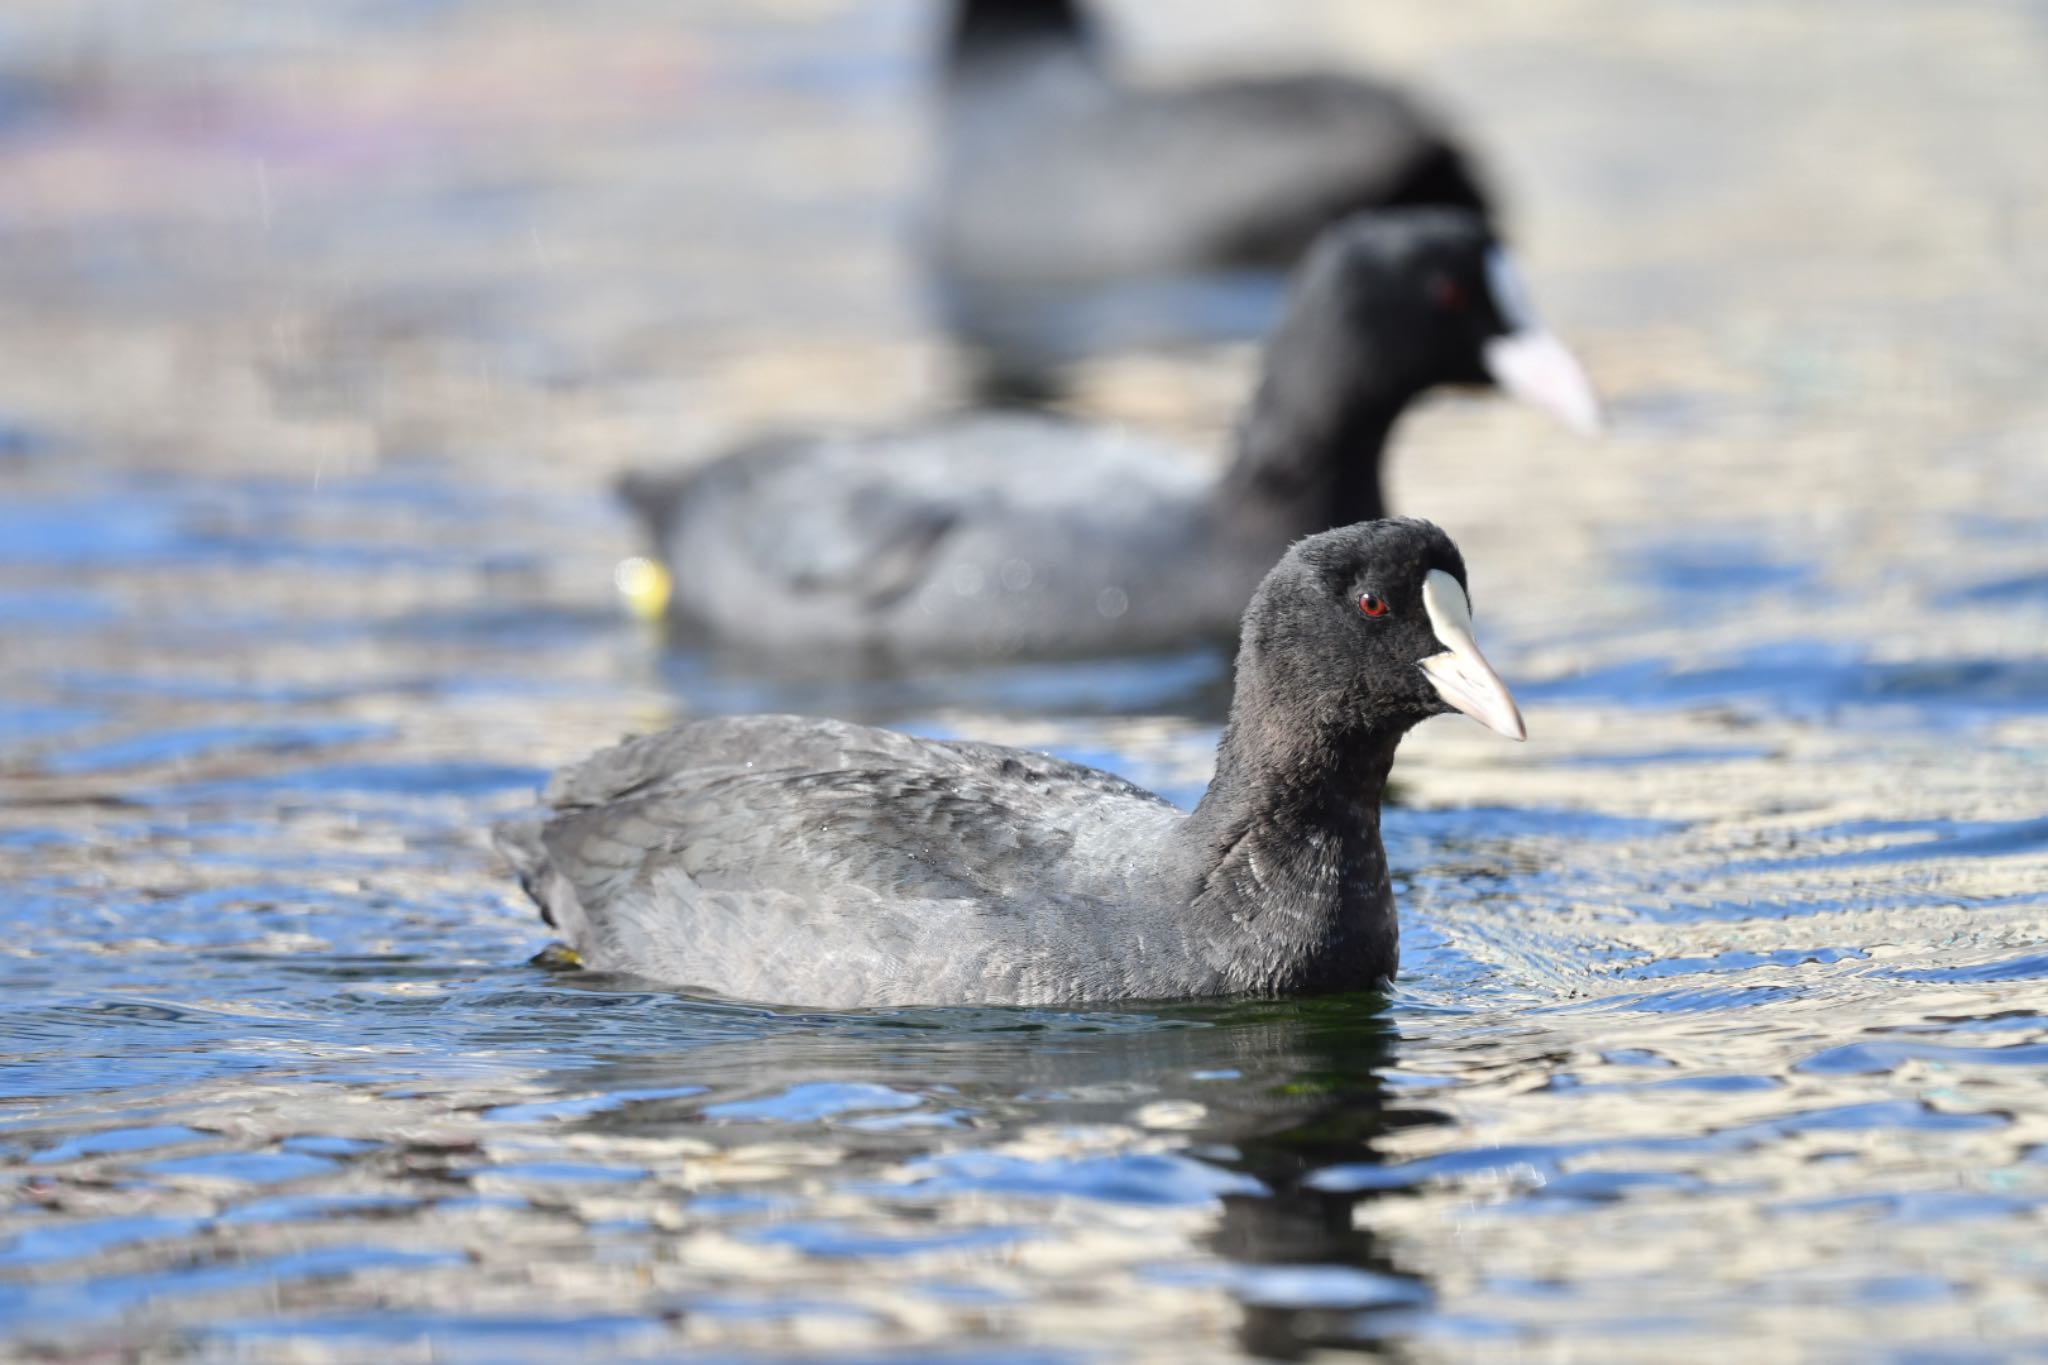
(1447, 293)
(1372, 604)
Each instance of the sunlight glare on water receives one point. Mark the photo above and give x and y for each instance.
(1723, 1027)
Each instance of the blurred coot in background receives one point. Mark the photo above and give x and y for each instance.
(988, 539)
(1075, 211)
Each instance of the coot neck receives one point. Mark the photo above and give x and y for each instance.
(1308, 450)
(1293, 876)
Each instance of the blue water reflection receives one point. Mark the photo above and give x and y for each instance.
(1720, 1031)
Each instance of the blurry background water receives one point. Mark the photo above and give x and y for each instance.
(1724, 1026)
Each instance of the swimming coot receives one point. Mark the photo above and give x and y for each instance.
(813, 862)
(988, 539)
(1074, 212)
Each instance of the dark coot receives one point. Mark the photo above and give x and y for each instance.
(818, 863)
(1073, 212)
(991, 539)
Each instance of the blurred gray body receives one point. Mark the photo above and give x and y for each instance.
(976, 538)
(1067, 180)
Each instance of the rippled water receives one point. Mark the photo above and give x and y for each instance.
(1724, 1023)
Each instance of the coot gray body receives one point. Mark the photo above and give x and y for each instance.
(813, 862)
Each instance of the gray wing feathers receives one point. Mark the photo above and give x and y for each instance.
(689, 752)
(777, 858)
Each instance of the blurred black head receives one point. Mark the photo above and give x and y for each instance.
(989, 27)
(1413, 298)
(1368, 629)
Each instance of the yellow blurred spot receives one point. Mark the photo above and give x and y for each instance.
(644, 585)
(557, 957)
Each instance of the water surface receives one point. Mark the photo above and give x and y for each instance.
(1723, 1029)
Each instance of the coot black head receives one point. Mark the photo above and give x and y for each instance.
(1367, 631)
(1414, 298)
(983, 28)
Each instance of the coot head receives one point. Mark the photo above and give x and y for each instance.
(1432, 297)
(1367, 630)
(992, 28)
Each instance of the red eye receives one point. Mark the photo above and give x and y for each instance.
(1372, 604)
(1447, 293)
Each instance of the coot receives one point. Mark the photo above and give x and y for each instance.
(813, 862)
(1074, 212)
(990, 539)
